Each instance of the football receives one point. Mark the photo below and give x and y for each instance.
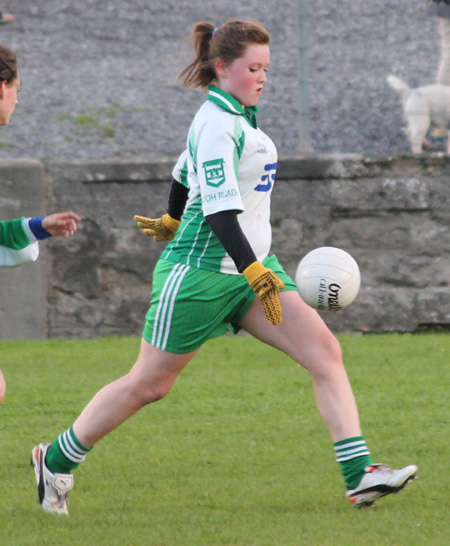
(328, 278)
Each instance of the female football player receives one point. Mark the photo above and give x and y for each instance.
(19, 237)
(217, 274)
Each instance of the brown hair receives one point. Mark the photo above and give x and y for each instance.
(227, 42)
(8, 65)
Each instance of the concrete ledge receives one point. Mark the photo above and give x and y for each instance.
(111, 171)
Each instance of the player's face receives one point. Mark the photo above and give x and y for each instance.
(8, 99)
(245, 77)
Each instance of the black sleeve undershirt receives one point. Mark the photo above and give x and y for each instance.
(226, 228)
(178, 196)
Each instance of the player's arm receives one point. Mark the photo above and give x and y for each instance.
(165, 228)
(19, 237)
(178, 196)
(226, 228)
(263, 281)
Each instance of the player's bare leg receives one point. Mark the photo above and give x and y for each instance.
(304, 336)
(2, 387)
(150, 379)
(307, 340)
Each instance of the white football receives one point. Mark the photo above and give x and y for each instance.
(328, 278)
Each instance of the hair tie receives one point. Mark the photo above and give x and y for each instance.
(214, 31)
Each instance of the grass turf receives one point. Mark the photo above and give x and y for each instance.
(235, 455)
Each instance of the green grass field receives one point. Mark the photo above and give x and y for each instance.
(236, 455)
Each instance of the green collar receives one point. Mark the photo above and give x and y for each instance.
(230, 104)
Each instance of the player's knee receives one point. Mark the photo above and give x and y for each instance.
(331, 349)
(153, 394)
(146, 394)
(326, 359)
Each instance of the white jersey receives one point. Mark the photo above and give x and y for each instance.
(230, 164)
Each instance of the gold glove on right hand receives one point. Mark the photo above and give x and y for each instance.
(266, 284)
(161, 229)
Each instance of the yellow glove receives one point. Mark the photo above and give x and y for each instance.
(161, 229)
(266, 284)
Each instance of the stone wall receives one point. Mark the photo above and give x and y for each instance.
(391, 214)
(23, 290)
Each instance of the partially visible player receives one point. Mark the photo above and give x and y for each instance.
(217, 274)
(9, 84)
(19, 237)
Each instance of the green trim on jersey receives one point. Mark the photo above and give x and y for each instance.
(12, 234)
(180, 171)
(184, 175)
(230, 104)
(239, 139)
(192, 148)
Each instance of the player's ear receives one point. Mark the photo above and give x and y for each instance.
(3, 85)
(221, 68)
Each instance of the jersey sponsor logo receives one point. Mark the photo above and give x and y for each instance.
(219, 195)
(214, 172)
(268, 179)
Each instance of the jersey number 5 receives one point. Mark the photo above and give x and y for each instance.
(268, 179)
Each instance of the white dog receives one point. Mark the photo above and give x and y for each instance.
(423, 107)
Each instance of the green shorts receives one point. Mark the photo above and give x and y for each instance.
(191, 305)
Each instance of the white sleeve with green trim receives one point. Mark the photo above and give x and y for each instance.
(18, 245)
(179, 172)
(215, 149)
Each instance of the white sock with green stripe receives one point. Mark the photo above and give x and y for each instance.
(66, 453)
(353, 456)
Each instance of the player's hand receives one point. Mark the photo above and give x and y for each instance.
(161, 229)
(266, 284)
(62, 224)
